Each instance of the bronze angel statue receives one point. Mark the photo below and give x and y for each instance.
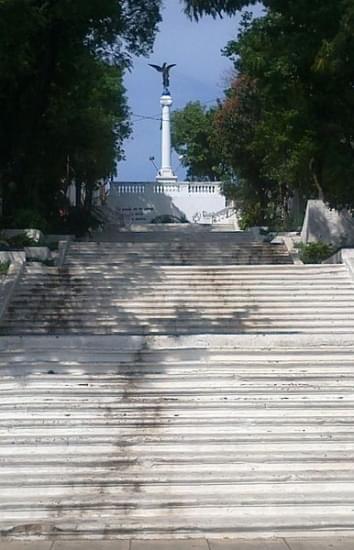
(165, 70)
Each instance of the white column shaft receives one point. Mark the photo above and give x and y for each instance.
(166, 139)
(166, 173)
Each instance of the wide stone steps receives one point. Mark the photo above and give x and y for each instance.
(149, 328)
(170, 233)
(138, 437)
(182, 300)
(157, 320)
(221, 244)
(125, 497)
(221, 249)
(172, 272)
(162, 326)
(217, 473)
(184, 260)
(159, 249)
(184, 522)
(236, 417)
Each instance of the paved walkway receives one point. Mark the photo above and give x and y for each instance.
(325, 543)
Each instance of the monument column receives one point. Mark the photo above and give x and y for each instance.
(166, 172)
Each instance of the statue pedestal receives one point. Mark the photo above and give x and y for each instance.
(166, 175)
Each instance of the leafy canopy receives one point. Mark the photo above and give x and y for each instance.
(286, 126)
(64, 114)
(192, 138)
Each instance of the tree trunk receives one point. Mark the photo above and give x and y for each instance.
(78, 187)
(89, 195)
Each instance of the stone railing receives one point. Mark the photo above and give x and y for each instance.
(212, 187)
(128, 188)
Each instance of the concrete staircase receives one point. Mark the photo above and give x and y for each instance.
(116, 437)
(97, 297)
(152, 389)
(165, 249)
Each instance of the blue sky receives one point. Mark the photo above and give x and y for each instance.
(200, 74)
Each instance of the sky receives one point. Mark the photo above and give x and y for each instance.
(201, 74)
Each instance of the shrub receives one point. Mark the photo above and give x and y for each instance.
(18, 242)
(315, 253)
(26, 218)
(80, 221)
(4, 267)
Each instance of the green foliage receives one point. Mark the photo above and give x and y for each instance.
(197, 8)
(286, 126)
(18, 242)
(63, 113)
(304, 135)
(4, 267)
(192, 138)
(80, 221)
(315, 253)
(26, 218)
(259, 198)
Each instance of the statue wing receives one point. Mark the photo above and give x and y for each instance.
(157, 67)
(170, 66)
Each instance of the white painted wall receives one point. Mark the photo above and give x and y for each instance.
(141, 202)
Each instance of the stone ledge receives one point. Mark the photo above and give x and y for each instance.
(307, 542)
(40, 253)
(210, 342)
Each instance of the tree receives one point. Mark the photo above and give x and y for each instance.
(259, 198)
(307, 98)
(197, 8)
(192, 138)
(300, 57)
(61, 92)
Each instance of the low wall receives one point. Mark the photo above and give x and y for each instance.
(141, 202)
(343, 256)
(326, 225)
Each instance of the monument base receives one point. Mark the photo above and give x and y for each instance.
(166, 176)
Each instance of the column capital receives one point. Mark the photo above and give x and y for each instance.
(166, 101)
